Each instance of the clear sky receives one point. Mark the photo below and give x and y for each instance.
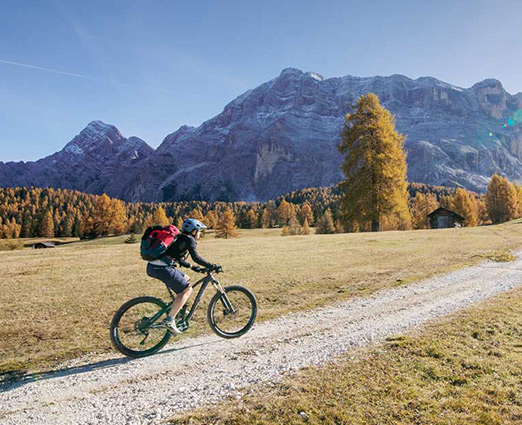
(150, 66)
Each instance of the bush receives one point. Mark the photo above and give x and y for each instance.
(11, 245)
(131, 239)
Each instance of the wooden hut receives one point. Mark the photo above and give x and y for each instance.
(41, 245)
(442, 218)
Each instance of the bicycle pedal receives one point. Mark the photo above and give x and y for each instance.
(182, 325)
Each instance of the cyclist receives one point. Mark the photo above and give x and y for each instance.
(164, 269)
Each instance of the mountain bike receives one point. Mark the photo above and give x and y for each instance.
(137, 328)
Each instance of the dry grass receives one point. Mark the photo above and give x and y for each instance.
(57, 303)
(465, 370)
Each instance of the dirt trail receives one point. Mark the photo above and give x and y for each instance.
(195, 371)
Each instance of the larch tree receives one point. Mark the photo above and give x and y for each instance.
(226, 227)
(463, 205)
(518, 191)
(306, 228)
(251, 219)
(46, 229)
(211, 219)
(421, 206)
(501, 200)
(306, 213)
(159, 217)
(284, 212)
(374, 165)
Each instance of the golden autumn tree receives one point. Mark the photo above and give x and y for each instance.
(226, 226)
(46, 229)
(284, 212)
(518, 191)
(211, 219)
(306, 228)
(251, 219)
(421, 206)
(374, 165)
(463, 205)
(159, 217)
(306, 213)
(501, 200)
(118, 218)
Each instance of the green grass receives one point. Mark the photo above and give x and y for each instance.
(57, 303)
(463, 370)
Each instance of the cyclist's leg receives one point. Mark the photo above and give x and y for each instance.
(175, 280)
(180, 301)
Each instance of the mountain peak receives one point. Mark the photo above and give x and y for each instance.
(94, 135)
(490, 83)
(291, 71)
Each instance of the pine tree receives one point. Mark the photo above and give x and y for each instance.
(226, 227)
(374, 165)
(159, 217)
(325, 225)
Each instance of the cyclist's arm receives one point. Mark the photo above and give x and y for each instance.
(198, 258)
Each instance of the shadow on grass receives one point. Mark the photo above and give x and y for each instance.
(11, 380)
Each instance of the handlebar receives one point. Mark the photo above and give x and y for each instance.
(207, 270)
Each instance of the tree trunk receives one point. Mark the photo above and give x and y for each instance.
(375, 225)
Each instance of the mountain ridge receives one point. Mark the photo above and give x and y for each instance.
(281, 136)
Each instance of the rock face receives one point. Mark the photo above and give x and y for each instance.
(281, 136)
(98, 160)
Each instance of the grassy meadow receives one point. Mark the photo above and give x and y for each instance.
(464, 369)
(57, 303)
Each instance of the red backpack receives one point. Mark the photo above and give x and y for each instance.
(156, 240)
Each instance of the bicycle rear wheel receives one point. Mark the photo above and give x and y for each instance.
(232, 315)
(132, 332)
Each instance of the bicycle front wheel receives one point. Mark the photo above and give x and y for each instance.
(232, 314)
(134, 333)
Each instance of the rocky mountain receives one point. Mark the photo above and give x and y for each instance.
(95, 161)
(281, 136)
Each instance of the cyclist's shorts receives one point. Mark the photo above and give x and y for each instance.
(170, 276)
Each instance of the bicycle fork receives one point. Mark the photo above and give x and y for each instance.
(229, 308)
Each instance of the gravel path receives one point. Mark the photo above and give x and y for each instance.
(200, 370)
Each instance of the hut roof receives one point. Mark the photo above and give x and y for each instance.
(45, 244)
(442, 210)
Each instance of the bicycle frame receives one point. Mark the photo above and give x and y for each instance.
(209, 278)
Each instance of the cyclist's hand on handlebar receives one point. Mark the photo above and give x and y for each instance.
(198, 269)
(217, 268)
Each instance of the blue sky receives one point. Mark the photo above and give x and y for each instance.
(149, 67)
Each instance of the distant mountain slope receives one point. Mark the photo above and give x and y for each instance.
(281, 136)
(96, 161)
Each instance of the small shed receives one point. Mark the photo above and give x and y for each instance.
(442, 218)
(40, 245)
